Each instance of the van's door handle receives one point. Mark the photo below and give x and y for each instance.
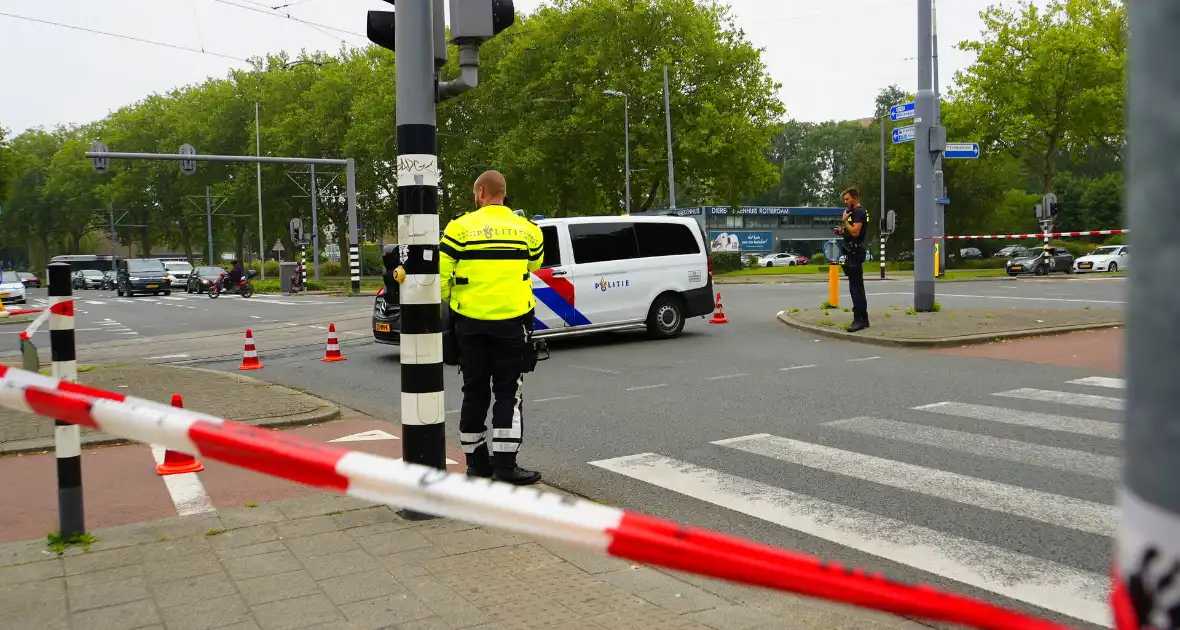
(559, 272)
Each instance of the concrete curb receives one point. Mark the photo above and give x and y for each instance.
(941, 342)
(14, 319)
(327, 411)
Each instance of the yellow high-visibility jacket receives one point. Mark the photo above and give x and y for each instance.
(485, 259)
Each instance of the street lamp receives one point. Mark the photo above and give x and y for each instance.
(626, 142)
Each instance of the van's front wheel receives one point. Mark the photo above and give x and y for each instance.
(666, 317)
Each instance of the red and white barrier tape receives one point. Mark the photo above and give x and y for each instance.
(545, 515)
(35, 324)
(1017, 236)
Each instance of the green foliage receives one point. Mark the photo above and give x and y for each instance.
(827, 304)
(58, 543)
(817, 259)
(725, 261)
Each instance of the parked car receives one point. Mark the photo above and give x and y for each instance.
(88, 279)
(784, 259)
(607, 274)
(11, 288)
(30, 280)
(179, 270)
(1034, 261)
(970, 253)
(904, 256)
(201, 279)
(143, 275)
(1007, 251)
(1110, 258)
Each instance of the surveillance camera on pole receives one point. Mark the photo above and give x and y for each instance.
(417, 33)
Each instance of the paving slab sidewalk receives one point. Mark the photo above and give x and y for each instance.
(961, 326)
(221, 394)
(330, 561)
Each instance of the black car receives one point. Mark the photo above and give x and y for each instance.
(143, 275)
(201, 279)
(30, 280)
(1034, 261)
(88, 279)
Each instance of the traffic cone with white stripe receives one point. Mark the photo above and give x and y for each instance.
(719, 315)
(175, 462)
(250, 354)
(333, 352)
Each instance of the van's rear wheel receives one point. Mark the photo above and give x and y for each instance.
(666, 317)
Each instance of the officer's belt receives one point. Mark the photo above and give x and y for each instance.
(462, 280)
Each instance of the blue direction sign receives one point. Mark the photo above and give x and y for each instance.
(903, 134)
(943, 201)
(905, 111)
(961, 151)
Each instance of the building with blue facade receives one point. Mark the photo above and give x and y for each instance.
(763, 229)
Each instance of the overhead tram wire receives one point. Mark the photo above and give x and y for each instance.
(288, 17)
(125, 37)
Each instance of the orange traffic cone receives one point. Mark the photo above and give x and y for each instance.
(719, 314)
(250, 354)
(175, 462)
(333, 352)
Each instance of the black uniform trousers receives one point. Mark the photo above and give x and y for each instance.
(490, 358)
(854, 271)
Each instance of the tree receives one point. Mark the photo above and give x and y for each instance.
(1048, 82)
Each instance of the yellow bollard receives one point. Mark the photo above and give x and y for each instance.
(936, 260)
(834, 285)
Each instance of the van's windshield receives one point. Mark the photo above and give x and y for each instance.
(145, 266)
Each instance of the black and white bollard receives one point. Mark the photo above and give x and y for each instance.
(67, 438)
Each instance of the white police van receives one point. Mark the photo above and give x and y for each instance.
(618, 273)
(605, 274)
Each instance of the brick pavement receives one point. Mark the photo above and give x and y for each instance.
(329, 561)
(217, 393)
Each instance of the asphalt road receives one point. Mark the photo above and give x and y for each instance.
(1000, 486)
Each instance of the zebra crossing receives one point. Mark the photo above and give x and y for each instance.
(1041, 582)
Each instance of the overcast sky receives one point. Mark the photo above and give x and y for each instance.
(831, 56)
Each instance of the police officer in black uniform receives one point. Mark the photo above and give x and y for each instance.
(853, 228)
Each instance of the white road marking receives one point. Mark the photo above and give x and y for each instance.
(797, 367)
(1073, 592)
(289, 324)
(109, 323)
(174, 297)
(170, 356)
(352, 332)
(863, 359)
(1101, 381)
(95, 302)
(1068, 512)
(553, 398)
(1036, 299)
(1101, 466)
(128, 333)
(724, 376)
(187, 492)
(635, 389)
(1081, 426)
(1065, 398)
(256, 316)
(319, 327)
(594, 369)
(367, 436)
(450, 462)
(452, 411)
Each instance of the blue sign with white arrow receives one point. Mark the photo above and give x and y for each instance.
(905, 111)
(903, 134)
(961, 151)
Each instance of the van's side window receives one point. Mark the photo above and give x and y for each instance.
(600, 242)
(665, 239)
(552, 247)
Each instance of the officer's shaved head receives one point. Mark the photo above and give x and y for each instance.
(490, 189)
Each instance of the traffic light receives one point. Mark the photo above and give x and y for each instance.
(380, 28)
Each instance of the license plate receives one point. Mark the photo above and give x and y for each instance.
(4, 295)
(382, 327)
(153, 286)
(1017, 268)
(1085, 266)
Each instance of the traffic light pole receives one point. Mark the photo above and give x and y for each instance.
(422, 411)
(1148, 545)
(924, 106)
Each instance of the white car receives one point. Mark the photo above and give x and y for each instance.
(1109, 258)
(179, 271)
(784, 259)
(11, 288)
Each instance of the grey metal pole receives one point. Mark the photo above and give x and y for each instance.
(209, 225)
(881, 217)
(114, 239)
(258, 174)
(67, 438)
(354, 251)
(422, 411)
(1148, 544)
(627, 148)
(668, 126)
(940, 210)
(924, 167)
(315, 230)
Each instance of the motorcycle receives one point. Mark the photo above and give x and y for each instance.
(244, 287)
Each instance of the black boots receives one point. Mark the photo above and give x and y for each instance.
(504, 469)
(858, 324)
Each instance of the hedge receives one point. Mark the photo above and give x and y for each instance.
(725, 261)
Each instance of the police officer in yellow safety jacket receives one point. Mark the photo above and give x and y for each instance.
(485, 261)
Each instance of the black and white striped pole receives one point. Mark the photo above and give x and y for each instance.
(354, 251)
(67, 438)
(302, 266)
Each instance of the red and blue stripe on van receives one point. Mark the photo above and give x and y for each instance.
(558, 296)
